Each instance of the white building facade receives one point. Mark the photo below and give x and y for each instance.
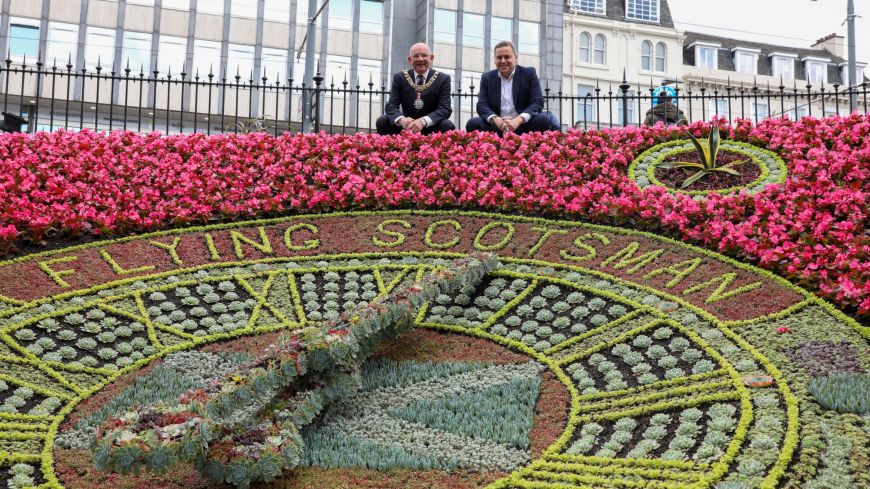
(721, 66)
(608, 41)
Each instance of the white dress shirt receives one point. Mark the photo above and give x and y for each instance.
(507, 108)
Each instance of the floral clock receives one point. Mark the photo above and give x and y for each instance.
(679, 367)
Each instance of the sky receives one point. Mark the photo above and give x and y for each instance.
(784, 22)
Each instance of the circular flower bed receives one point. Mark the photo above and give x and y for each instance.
(772, 170)
(679, 364)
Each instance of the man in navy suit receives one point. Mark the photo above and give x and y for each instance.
(423, 95)
(510, 98)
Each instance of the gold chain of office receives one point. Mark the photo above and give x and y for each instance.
(420, 88)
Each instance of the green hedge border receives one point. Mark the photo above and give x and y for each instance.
(643, 164)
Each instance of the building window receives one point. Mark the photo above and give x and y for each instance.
(706, 57)
(341, 14)
(501, 29)
(371, 16)
(798, 114)
(62, 43)
(746, 62)
(647, 10)
(276, 10)
(452, 75)
(817, 72)
(845, 79)
(661, 57)
(760, 110)
(783, 67)
(273, 65)
(632, 105)
(469, 99)
(600, 54)
(445, 26)
(529, 35)
(171, 54)
(299, 69)
(646, 56)
(587, 6)
(240, 59)
(177, 4)
(585, 105)
(206, 59)
(215, 7)
(136, 52)
(719, 106)
(150, 3)
(23, 39)
(338, 70)
(585, 47)
(369, 69)
(99, 47)
(472, 30)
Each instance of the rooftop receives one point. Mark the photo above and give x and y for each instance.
(615, 10)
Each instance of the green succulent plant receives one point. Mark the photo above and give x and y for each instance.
(708, 151)
(844, 393)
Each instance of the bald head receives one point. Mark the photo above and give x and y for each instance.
(420, 58)
(418, 47)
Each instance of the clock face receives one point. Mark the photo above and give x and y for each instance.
(660, 362)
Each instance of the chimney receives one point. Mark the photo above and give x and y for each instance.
(833, 43)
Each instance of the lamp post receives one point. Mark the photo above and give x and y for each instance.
(853, 74)
(308, 80)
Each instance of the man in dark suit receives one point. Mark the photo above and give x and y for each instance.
(424, 97)
(510, 98)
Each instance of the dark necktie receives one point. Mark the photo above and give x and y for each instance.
(419, 79)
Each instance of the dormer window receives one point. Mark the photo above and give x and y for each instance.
(587, 6)
(844, 73)
(706, 54)
(746, 60)
(816, 70)
(782, 65)
(645, 10)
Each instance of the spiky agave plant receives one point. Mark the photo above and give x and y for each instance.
(708, 151)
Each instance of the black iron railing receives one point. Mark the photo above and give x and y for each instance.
(49, 98)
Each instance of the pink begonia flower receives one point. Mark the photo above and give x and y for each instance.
(812, 227)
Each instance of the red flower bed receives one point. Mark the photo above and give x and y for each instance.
(812, 229)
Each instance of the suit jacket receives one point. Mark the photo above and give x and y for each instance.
(436, 99)
(528, 96)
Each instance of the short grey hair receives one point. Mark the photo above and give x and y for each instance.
(504, 44)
